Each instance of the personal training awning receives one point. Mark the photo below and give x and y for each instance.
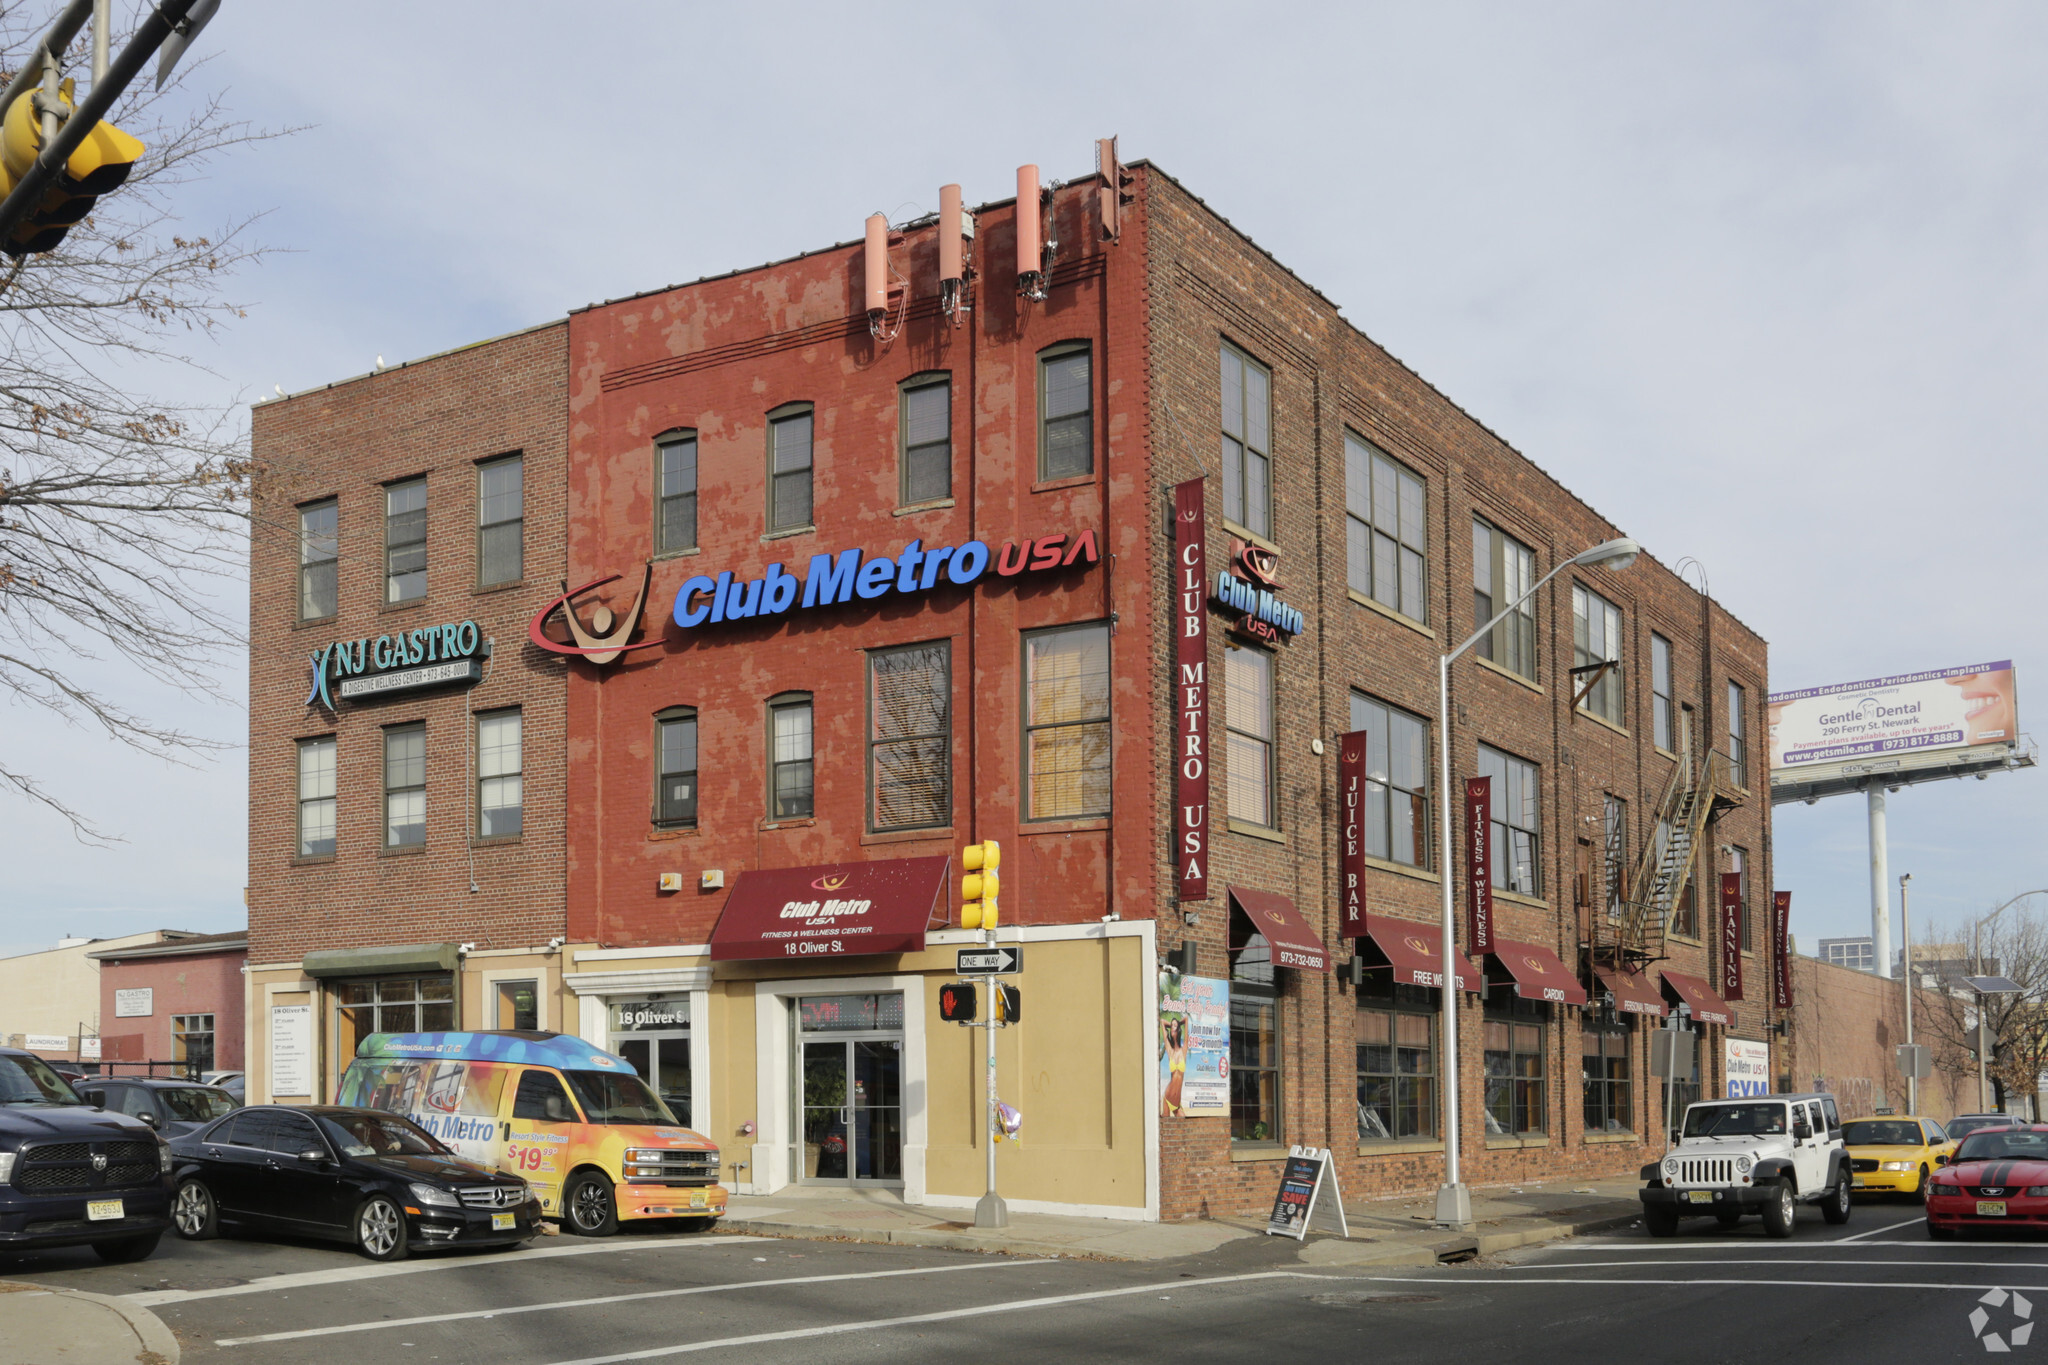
(1293, 943)
(385, 961)
(1416, 953)
(1707, 1007)
(1537, 972)
(1633, 992)
(832, 910)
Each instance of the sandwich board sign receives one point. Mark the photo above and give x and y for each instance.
(1307, 1196)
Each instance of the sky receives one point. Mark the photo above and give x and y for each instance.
(1763, 283)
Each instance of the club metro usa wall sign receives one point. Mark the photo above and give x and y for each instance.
(427, 657)
(1247, 584)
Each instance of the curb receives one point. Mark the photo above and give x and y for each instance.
(915, 1237)
(158, 1345)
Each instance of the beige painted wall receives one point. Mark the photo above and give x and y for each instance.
(54, 991)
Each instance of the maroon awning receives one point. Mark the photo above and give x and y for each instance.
(1634, 993)
(1707, 1007)
(832, 910)
(1537, 972)
(1416, 953)
(1293, 943)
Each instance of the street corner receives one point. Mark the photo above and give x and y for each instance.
(44, 1326)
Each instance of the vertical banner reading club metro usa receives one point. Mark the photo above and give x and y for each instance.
(1731, 935)
(1351, 863)
(1781, 949)
(1191, 694)
(1478, 865)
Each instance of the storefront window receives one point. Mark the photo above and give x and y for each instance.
(394, 1004)
(1396, 1038)
(1608, 1049)
(518, 1004)
(653, 1033)
(1515, 1030)
(1254, 1036)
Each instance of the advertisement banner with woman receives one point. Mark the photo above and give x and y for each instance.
(1194, 1047)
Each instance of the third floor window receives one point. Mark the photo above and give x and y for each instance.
(319, 550)
(1596, 640)
(1387, 533)
(1247, 442)
(1503, 570)
(501, 521)
(405, 541)
(675, 497)
(1065, 420)
(926, 421)
(789, 469)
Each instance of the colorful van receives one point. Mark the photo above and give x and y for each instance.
(577, 1122)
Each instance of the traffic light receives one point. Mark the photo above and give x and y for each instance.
(1009, 1003)
(958, 1003)
(100, 163)
(979, 886)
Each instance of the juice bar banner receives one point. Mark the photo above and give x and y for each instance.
(1351, 765)
(1191, 694)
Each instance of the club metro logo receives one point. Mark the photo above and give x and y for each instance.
(604, 639)
(830, 883)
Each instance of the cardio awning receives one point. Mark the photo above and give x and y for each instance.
(1707, 1007)
(1416, 953)
(1293, 943)
(1537, 972)
(1633, 992)
(830, 910)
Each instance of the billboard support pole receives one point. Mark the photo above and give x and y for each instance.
(1880, 883)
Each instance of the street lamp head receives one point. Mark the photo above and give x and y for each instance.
(1611, 554)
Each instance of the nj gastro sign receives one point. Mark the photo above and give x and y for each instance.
(427, 657)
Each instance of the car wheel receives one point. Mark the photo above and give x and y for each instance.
(1660, 1221)
(1920, 1190)
(194, 1213)
(1780, 1212)
(1835, 1205)
(127, 1249)
(1937, 1233)
(380, 1229)
(1728, 1220)
(587, 1206)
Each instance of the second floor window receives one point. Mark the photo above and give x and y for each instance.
(1738, 735)
(405, 786)
(1660, 693)
(675, 787)
(319, 551)
(789, 470)
(910, 736)
(1387, 529)
(405, 541)
(1503, 570)
(675, 499)
(501, 521)
(1066, 433)
(1066, 721)
(1596, 639)
(1396, 781)
(926, 421)
(316, 797)
(1247, 442)
(1248, 714)
(500, 800)
(790, 775)
(1517, 817)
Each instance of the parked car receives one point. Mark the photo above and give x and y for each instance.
(1962, 1125)
(353, 1175)
(73, 1174)
(1896, 1155)
(173, 1108)
(1765, 1154)
(1998, 1178)
(234, 1082)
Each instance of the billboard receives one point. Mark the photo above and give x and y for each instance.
(1911, 714)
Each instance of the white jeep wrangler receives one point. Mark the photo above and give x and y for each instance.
(1762, 1154)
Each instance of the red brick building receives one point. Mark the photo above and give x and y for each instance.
(180, 1000)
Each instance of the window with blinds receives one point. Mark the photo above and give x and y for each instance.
(910, 736)
(1065, 420)
(789, 469)
(675, 473)
(1066, 721)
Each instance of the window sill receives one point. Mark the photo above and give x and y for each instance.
(1421, 874)
(483, 588)
(1397, 1147)
(792, 531)
(677, 554)
(935, 505)
(403, 851)
(1258, 1151)
(312, 860)
(1271, 836)
(1663, 752)
(1518, 898)
(1246, 533)
(496, 840)
(1054, 485)
(1611, 1137)
(794, 822)
(313, 622)
(1508, 673)
(1533, 1142)
(1398, 618)
(1583, 714)
(414, 605)
(1076, 825)
(662, 836)
(907, 836)
(1691, 939)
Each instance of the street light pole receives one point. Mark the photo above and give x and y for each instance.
(1977, 966)
(1906, 948)
(1453, 1199)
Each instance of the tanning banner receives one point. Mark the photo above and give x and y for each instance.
(1731, 935)
(1194, 1047)
(1945, 708)
(1478, 865)
(1191, 694)
(1781, 948)
(1351, 861)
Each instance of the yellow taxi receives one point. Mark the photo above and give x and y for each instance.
(1895, 1155)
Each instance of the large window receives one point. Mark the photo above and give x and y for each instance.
(316, 797)
(1513, 1063)
(675, 777)
(394, 1004)
(789, 758)
(1066, 721)
(675, 497)
(1396, 781)
(1738, 735)
(1387, 529)
(1396, 1029)
(926, 422)
(1247, 442)
(1596, 640)
(405, 786)
(1504, 569)
(1248, 715)
(192, 1042)
(319, 552)
(499, 795)
(910, 736)
(1685, 911)
(1066, 418)
(501, 521)
(1607, 1046)
(789, 469)
(1254, 1036)
(1661, 711)
(1738, 863)
(405, 541)
(1517, 822)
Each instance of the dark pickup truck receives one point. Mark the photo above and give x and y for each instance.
(73, 1174)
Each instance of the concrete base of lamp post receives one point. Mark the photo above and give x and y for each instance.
(1454, 1207)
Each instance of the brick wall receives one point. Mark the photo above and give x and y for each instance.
(198, 983)
(1844, 1027)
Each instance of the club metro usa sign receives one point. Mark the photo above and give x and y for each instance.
(428, 657)
(1249, 585)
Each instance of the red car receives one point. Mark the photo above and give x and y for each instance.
(1998, 1178)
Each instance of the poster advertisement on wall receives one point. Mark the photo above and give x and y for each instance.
(1194, 1046)
(1748, 1067)
(291, 1050)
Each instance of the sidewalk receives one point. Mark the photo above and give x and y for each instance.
(44, 1326)
(1383, 1232)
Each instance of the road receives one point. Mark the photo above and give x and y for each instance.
(1875, 1290)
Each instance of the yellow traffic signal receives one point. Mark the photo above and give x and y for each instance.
(980, 885)
(99, 164)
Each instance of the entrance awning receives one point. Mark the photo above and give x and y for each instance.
(1293, 943)
(1634, 993)
(1416, 953)
(1707, 1007)
(831, 910)
(385, 961)
(1538, 974)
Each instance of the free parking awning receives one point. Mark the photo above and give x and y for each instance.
(1416, 953)
(1707, 1007)
(830, 910)
(1633, 992)
(1293, 943)
(1537, 972)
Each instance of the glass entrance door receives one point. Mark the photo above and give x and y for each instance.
(850, 1089)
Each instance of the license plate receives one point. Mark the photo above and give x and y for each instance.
(1856, 1183)
(1700, 1196)
(697, 1200)
(504, 1222)
(1991, 1208)
(98, 1210)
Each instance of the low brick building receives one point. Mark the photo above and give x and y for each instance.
(180, 1001)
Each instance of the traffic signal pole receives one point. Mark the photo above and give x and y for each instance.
(990, 1211)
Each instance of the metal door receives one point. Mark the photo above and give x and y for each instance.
(851, 1110)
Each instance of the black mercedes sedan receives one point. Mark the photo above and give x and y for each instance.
(356, 1175)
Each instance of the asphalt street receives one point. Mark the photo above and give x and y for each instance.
(1876, 1290)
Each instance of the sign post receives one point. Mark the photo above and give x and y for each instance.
(1301, 1199)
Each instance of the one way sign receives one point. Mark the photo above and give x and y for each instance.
(990, 961)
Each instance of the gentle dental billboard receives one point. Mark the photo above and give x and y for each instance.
(1912, 713)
